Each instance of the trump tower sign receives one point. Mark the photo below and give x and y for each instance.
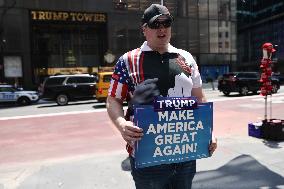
(176, 129)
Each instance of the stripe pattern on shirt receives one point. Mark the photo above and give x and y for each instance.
(127, 74)
(134, 63)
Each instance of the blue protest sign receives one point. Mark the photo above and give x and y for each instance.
(172, 136)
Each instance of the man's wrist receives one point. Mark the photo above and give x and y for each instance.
(120, 123)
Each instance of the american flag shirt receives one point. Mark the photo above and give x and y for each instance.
(176, 70)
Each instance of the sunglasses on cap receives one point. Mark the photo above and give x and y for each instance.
(157, 24)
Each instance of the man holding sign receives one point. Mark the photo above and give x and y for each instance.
(163, 126)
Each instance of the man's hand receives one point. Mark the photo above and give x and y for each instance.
(213, 145)
(145, 92)
(129, 132)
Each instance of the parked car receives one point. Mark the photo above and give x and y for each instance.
(103, 85)
(9, 93)
(65, 88)
(278, 76)
(243, 82)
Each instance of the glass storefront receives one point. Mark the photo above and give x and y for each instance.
(200, 26)
(76, 39)
(66, 47)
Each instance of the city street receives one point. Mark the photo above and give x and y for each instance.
(55, 52)
(76, 146)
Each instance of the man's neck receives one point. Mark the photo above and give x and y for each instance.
(161, 50)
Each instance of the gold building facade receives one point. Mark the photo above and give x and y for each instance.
(65, 36)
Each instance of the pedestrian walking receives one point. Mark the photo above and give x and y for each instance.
(155, 69)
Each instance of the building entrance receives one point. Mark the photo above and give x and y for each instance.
(66, 47)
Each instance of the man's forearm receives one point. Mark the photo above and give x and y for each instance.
(115, 111)
(129, 132)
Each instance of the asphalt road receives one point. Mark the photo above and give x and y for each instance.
(64, 134)
(45, 107)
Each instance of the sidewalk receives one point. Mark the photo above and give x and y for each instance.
(242, 163)
(239, 163)
(208, 86)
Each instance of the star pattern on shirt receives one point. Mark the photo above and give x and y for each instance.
(122, 73)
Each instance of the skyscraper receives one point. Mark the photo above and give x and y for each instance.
(260, 21)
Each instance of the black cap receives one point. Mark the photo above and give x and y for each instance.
(153, 12)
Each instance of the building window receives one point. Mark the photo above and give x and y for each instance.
(213, 9)
(120, 5)
(203, 8)
(213, 27)
(220, 44)
(192, 8)
(224, 9)
(133, 5)
(204, 36)
(227, 45)
(227, 34)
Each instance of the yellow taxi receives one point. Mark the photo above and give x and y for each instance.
(103, 85)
